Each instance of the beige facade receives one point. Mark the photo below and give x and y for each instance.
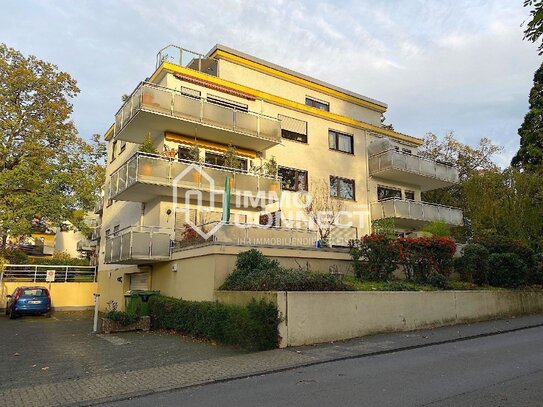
(317, 133)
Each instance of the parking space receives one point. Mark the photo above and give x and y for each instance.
(35, 350)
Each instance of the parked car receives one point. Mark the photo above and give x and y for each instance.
(28, 301)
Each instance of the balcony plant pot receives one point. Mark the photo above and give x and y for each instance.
(146, 170)
(109, 326)
(196, 177)
(274, 186)
(148, 98)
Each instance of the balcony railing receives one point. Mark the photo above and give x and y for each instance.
(96, 232)
(254, 130)
(188, 59)
(428, 174)
(99, 206)
(138, 244)
(86, 245)
(155, 170)
(415, 213)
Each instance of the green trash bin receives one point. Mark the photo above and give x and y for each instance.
(137, 301)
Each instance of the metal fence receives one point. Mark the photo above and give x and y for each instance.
(38, 273)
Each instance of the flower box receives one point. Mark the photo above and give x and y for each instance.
(109, 326)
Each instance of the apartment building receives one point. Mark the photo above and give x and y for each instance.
(229, 129)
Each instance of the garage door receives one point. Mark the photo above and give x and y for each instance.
(139, 281)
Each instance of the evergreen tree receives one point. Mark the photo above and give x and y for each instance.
(530, 154)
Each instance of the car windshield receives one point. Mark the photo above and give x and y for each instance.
(34, 292)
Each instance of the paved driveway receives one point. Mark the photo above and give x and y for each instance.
(36, 350)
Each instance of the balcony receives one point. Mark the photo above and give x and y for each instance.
(145, 176)
(86, 245)
(99, 206)
(96, 232)
(155, 109)
(138, 245)
(415, 214)
(395, 166)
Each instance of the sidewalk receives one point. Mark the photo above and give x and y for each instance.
(117, 386)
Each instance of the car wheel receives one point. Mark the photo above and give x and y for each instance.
(47, 314)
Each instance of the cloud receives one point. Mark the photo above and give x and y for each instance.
(447, 65)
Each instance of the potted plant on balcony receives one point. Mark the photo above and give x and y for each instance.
(271, 169)
(231, 161)
(146, 169)
(119, 321)
(194, 155)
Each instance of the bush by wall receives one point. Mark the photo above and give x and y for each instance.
(254, 326)
(473, 265)
(506, 270)
(375, 257)
(14, 256)
(255, 272)
(500, 244)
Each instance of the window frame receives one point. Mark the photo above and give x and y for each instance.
(408, 191)
(389, 188)
(297, 173)
(228, 103)
(113, 151)
(316, 103)
(337, 135)
(338, 188)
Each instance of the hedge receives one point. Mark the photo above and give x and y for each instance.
(254, 326)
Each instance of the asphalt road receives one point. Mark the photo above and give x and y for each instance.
(499, 370)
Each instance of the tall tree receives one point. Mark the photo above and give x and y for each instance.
(534, 28)
(46, 169)
(530, 154)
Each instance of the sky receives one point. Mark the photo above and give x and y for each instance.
(441, 65)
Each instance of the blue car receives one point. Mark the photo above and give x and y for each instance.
(28, 301)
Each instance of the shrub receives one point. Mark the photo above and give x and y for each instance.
(438, 228)
(375, 257)
(422, 256)
(14, 256)
(500, 244)
(473, 265)
(123, 317)
(255, 272)
(506, 270)
(254, 326)
(60, 259)
(535, 275)
(437, 280)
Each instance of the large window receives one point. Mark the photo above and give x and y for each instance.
(410, 195)
(293, 129)
(219, 160)
(318, 104)
(184, 153)
(292, 179)
(342, 188)
(227, 103)
(340, 141)
(388, 192)
(113, 150)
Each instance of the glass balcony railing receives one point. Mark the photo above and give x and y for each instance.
(416, 212)
(252, 130)
(155, 170)
(86, 245)
(397, 166)
(138, 244)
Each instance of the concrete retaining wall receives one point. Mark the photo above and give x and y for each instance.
(64, 296)
(313, 317)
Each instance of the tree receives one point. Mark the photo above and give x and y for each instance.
(530, 154)
(534, 27)
(322, 209)
(46, 169)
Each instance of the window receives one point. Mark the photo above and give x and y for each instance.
(293, 129)
(108, 232)
(116, 229)
(219, 160)
(388, 192)
(113, 150)
(317, 104)
(342, 188)
(123, 146)
(410, 195)
(406, 151)
(193, 93)
(184, 153)
(292, 179)
(340, 141)
(227, 103)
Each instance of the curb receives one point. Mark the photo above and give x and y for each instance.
(144, 393)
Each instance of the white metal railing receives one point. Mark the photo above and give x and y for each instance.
(86, 245)
(150, 168)
(99, 205)
(37, 273)
(170, 102)
(139, 243)
(412, 163)
(416, 210)
(188, 59)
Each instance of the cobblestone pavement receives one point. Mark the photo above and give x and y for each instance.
(197, 363)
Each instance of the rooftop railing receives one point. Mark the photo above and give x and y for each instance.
(170, 102)
(188, 59)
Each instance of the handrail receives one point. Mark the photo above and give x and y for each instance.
(415, 201)
(446, 164)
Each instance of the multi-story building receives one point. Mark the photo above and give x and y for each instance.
(198, 116)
